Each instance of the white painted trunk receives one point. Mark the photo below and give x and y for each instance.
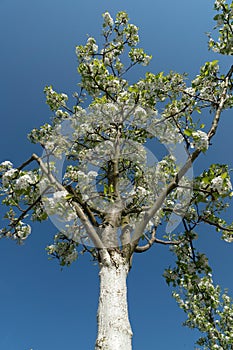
(114, 330)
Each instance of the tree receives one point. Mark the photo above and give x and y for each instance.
(113, 198)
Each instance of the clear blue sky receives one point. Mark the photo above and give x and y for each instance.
(41, 307)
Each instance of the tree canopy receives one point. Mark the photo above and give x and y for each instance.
(100, 182)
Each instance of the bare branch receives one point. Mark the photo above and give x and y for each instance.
(152, 240)
(31, 159)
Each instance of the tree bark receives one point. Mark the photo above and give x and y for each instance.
(114, 330)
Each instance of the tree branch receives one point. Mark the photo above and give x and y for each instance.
(84, 205)
(31, 159)
(105, 258)
(151, 241)
(215, 122)
(216, 224)
(140, 227)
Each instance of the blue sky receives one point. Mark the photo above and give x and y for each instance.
(42, 307)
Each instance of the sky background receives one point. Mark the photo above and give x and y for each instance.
(42, 307)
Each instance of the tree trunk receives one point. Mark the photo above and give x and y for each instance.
(114, 330)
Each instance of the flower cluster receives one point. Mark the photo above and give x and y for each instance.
(108, 21)
(23, 182)
(53, 99)
(200, 140)
(84, 53)
(8, 176)
(196, 294)
(138, 55)
(216, 179)
(221, 185)
(131, 33)
(206, 84)
(96, 77)
(224, 24)
(218, 4)
(63, 249)
(22, 231)
(19, 180)
(40, 135)
(58, 205)
(6, 165)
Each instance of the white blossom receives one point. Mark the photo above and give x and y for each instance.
(146, 60)
(64, 96)
(23, 182)
(142, 191)
(221, 185)
(59, 195)
(49, 145)
(62, 114)
(22, 231)
(6, 165)
(92, 43)
(51, 248)
(108, 19)
(7, 176)
(191, 214)
(201, 140)
(219, 3)
(92, 174)
(140, 112)
(190, 91)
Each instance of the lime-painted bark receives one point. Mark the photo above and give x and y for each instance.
(114, 330)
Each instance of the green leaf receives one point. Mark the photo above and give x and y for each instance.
(188, 132)
(69, 196)
(214, 62)
(217, 17)
(105, 189)
(206, 179)
(111, 188)
(224, 175)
